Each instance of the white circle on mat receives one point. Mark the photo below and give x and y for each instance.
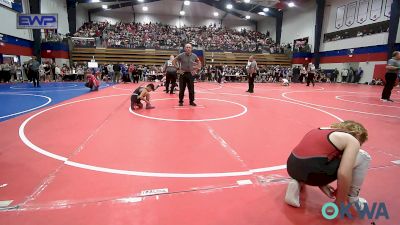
(51, 87)
(198, 120)
(284, 95)
(364, 103)
(28, 110)
(66, 161)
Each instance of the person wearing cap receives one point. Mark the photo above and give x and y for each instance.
(392, 71)
(190, 64)
(142, 93)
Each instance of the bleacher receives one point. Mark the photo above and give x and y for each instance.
(158, 57)
(114, 55)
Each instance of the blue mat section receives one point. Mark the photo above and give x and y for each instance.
(20, 98)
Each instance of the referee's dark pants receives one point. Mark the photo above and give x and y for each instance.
(310, 78)
(35, 77)
(186, 79)
(390, 81)
(170, 79)
(251, 83)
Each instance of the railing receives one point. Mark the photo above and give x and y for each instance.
(305, 48)
(97, 42)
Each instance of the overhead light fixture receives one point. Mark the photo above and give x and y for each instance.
(246, 1)
(262, 13)
(140, 0)
(186, 2)
(247, 17)
(104, 6)
(94, 1)
(265, 9)
(182, 13)
(291, 4)
(216, 14)
(229, 6)
(145, 8)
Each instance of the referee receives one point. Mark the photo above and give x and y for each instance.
(252, 72)
(392, 71)
(189, 64)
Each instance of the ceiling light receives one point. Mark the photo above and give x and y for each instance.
(182, 13)
(229, 6)
(291, 4)
(145, 8)
(140, 0)
(216, 14)
(246, 1)
(265, 9)
(104, 6)
(247, 17)
(93, 1)
(262, 13)
(186, 2)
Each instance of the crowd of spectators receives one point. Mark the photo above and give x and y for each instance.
(48, 72)
(123, 72)
(159, 36)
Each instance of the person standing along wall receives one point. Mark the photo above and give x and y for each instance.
(311, 74)
(392, 71)
(117, 73)
(252, 72)
(33, 66)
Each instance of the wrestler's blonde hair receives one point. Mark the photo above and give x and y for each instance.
(356, 129)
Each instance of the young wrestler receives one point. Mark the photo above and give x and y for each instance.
(142, 94)
(92, 82)
(328, 154)
(285, 82)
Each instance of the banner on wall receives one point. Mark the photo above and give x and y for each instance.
(7, 3)
(37, 21)
(340, 16)
(12, 4)
(351, 13)
(376, 9)
(388, 7)
(300, 43)
(362, 11)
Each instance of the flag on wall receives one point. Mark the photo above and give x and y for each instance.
(340, 16)
(351, 13)
(376, 10)
(362, 11)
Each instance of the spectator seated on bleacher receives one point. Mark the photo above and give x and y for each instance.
(159, 36)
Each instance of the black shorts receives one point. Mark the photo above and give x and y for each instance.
(317, 171)
(135, 99)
